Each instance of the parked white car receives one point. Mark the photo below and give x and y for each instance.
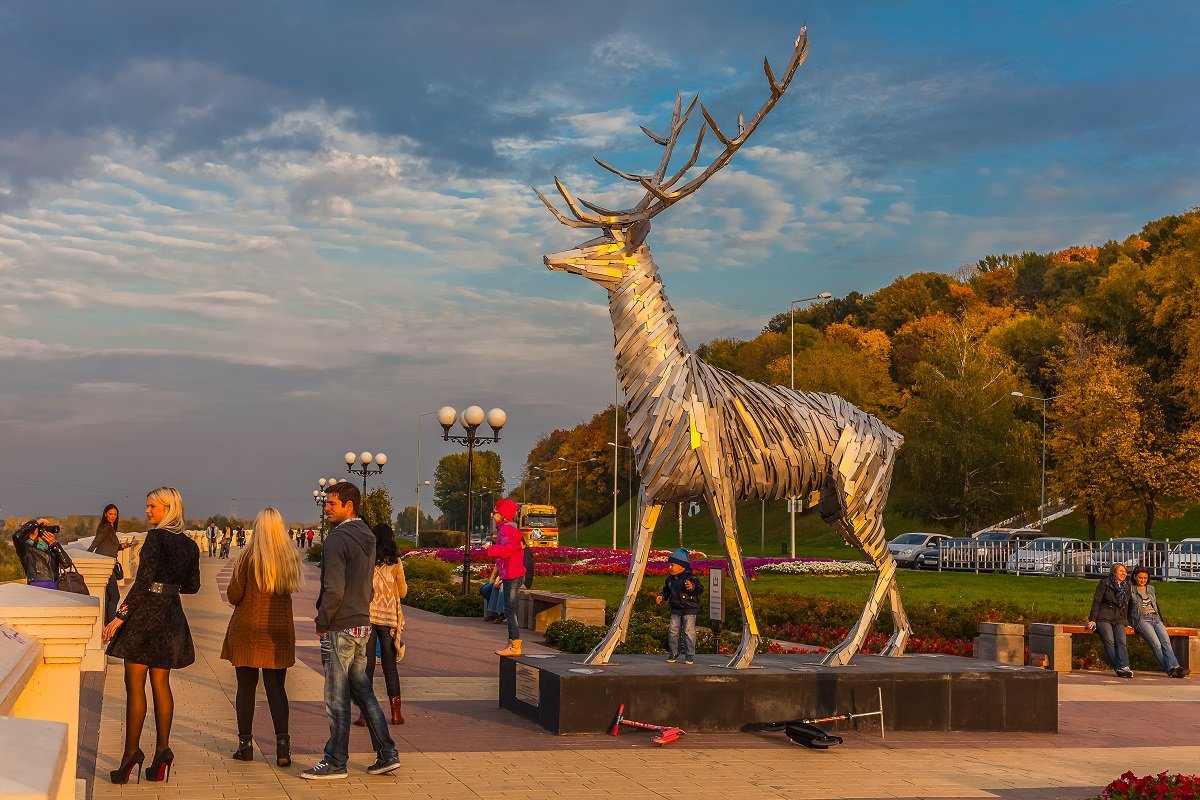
(904, 548)
(1184, 561)
(1050, 555)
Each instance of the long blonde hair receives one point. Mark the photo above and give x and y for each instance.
(275, 562)
(169, 497)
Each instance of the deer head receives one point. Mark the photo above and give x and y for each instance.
(607, 258)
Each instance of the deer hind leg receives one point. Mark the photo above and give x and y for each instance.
(724, 511)
(861, 498)
(647, 519)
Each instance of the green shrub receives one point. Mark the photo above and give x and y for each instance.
(572, 636)
(428, 595)
(428, 569)
(464, 605)
(314, 553)
(442, 538)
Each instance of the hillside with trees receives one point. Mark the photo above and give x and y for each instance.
(1109, 335)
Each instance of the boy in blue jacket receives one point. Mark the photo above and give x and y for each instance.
(682, 590)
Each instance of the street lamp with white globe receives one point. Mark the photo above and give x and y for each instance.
(470, 420)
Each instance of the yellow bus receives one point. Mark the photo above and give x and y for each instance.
(538, 524)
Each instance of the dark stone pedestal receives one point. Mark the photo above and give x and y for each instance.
(920, 692)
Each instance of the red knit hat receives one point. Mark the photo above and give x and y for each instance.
(506, 508)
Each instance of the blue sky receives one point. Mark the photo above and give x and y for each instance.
(239, 239)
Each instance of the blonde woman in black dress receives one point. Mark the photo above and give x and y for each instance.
(151, 632)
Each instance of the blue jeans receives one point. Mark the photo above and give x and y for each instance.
(1151, 629)
(688, 623)
(512, 590)
(1113, 636)
(344, 658)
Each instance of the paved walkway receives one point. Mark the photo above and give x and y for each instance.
(457, 742)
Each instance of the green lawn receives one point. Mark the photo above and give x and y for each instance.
(1060, 597)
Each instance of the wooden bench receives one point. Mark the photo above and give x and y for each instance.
(1054, 641)
(537, 609)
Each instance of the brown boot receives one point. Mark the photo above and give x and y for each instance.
(361, 721)
(397, 718)
(513, 649)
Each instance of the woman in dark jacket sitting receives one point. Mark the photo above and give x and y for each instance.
(1109, 615)
(40, 553)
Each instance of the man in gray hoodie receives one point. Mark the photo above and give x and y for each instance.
(344, 623)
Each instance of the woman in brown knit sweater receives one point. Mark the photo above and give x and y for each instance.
(261, 634)
(387, 618)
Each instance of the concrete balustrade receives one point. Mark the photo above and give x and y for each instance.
(44, 636)
(95, 570)
(39, 778)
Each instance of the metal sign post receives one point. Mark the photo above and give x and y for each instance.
(716, 601)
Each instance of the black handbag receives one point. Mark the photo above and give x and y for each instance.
(69, 580)
(118, 573)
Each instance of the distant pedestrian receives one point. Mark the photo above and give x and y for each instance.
(310, 536)
(1146, 618)
(261, 633)
(241, 536)
(510, 558)
(682, 591)
(226, 542)
(1109, 615)
(343, 622)
(212, 539)
(106, 543)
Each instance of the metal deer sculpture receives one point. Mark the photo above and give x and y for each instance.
(701, 431)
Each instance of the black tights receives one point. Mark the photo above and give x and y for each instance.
(247, 686)
(135, 706)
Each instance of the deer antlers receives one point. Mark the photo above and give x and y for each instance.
(659, 190)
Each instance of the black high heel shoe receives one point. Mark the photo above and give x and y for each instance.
(121, 773)
(160, 767)
(283, 750)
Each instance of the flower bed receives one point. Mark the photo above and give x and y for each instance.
(552, 561)
(1162, 786)
(824, 637)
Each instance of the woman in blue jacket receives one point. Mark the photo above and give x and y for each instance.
(1146, 619)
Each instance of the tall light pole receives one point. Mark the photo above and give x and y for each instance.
(629, 491)
(472, 417)
(576, 463)
(365, 458)
(546, 473)
(792, 362)
(1044, 401)
(417, 529)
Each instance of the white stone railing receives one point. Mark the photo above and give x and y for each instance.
(44, 641)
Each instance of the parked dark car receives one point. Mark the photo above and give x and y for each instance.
(955, 553)
(997, 546)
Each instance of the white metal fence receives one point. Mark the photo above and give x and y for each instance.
(1166, 560)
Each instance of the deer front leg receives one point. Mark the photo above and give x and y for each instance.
(720, 502)
(647, 520)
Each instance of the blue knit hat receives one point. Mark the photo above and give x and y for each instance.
(680, 557)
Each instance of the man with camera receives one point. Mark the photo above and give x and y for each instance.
(41, 555)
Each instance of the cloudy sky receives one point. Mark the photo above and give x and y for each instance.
(238, 239)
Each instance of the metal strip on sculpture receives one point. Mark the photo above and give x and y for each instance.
(700, 431)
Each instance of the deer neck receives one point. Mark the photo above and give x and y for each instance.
(648, 347)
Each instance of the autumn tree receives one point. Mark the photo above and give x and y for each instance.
(450, 485)
(968, 460)
(377, 506)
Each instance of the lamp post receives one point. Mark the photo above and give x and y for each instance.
(365, 458)
(792, 362)
(546, 473)
(319, 496)
(1044, 401)
(472, 417)
(629, 483)
(577, 463)
(417, 530)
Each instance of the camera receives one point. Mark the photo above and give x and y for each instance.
(49, 529)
